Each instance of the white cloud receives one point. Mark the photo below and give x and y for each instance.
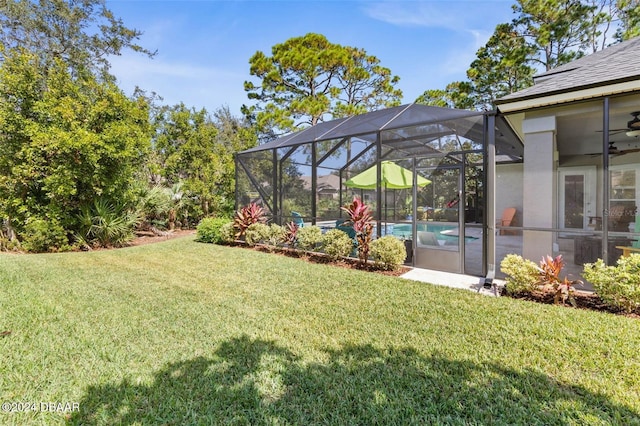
(422, 14)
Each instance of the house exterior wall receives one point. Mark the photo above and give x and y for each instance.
(509, 189)
(539, 185)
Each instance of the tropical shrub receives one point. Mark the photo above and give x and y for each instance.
(246, 217)
(227, 233)
(106, 224)
(389, 251)
(360, 219)
(290, 236)
(336, 244)
(522, 274)
(277, 234)
(42, 235)
(309, 237)
(619, 285)
(563, 289)
(209, 229)
(257, 233)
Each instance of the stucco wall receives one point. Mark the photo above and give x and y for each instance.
(509, 190)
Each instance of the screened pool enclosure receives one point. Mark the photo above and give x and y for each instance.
(443, 206)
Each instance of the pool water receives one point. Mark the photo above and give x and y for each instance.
(404, 230)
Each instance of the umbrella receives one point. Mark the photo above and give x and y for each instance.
(392, 177)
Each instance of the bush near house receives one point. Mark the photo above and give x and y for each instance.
(617, 285)
(337, 243)
(389, 251)
(309, 237)
(522, 274)
(257, 233)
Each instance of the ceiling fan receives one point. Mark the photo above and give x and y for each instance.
(633, 126)
(614, 150)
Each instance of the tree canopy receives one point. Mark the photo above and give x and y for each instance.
(81, 33)
(308, 79)
(66, 140)
(544, 34)
(197, 150)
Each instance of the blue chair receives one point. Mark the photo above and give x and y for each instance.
(346, 229)
(297, 219)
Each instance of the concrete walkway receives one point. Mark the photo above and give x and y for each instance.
(467, 282)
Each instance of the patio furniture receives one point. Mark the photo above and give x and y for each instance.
(426, 238)
(347, 229)
(588, 249)
(620, 215)
(626, 251)
(297, 219)
(507, 218)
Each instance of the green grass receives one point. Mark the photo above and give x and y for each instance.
(188, 333)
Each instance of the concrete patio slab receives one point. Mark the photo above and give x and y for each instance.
(466, 282)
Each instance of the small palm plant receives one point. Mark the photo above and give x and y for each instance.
(360, 219)
(106, 224)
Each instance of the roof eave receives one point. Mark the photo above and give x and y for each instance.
(563, 97)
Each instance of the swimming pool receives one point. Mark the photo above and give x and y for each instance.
(404, 230)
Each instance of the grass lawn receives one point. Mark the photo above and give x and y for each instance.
(186, 333)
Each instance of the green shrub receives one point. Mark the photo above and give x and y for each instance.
(277, 234)
(106, 224)
(337, 243)
(523, 276)
(42, 235)
(389, 251)
(257, 233)
(309, 237)
(618, 286)
(209, 229)
(227, 233)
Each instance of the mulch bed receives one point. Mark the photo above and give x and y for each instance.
(584, 300)
(148, 237)
(349, 263)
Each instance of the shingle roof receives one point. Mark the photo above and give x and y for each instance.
(617, 63)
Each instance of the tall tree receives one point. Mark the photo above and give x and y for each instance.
(558, 30)
(82, 33)
(501, 67)
(364, 85)
(308, 78)
(628, 12)
(458, 94)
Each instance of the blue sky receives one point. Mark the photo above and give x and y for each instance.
(204, 46)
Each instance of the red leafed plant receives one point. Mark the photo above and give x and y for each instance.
(550, 269)
(246, 217)
(360, 219)
(290, 234)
